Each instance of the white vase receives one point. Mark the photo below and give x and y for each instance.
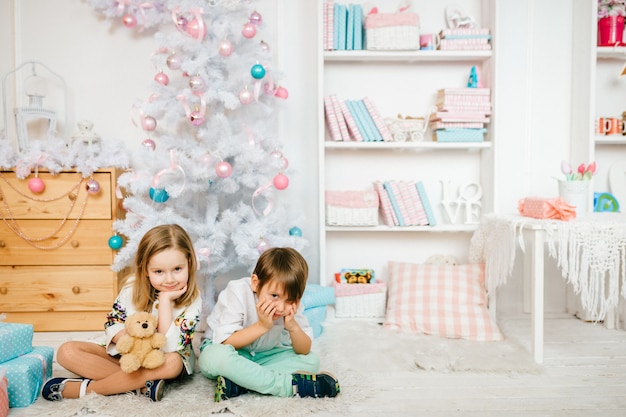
(576, 193)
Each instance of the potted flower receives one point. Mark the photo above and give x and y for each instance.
(611, 22)
(575, 188)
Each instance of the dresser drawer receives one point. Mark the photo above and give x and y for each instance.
(51, 289)
(69, 186)
(88, 245)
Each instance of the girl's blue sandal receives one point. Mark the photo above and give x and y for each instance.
(53, 388)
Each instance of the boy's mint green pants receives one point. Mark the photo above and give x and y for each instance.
(266, 372)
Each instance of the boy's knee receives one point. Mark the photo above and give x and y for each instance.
(214, 358)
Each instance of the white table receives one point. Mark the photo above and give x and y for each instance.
(590, 252)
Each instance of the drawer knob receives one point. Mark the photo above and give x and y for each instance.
(2, 244)
(74, 243)
(76, 290)
(3, 290)
(71, 196)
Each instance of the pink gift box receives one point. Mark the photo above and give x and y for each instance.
(546, 208)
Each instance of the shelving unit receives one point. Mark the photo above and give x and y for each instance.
(401, 82)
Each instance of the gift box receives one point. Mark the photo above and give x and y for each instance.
(315, 299)
(26, 375)
(15, 340)
(546, 208)
(361, 300)
(4, 393)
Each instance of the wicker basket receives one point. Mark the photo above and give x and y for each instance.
(392, 32)
(352, 208)
(361, 305)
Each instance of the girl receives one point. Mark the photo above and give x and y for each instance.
(258, 338)
(164, 284)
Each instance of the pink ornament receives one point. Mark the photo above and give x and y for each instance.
(245, 96)
(162, 78)
(249, 30)
(148, 123)
(269, 88)
(281, 92)
(129, 20)
(262, 246)
(173, 62)
(197, 29)
(196, 117)
(182, 23)
(149, 143)
(223, 169)
(283, 163)
(281, 181)
(256, 18)
(197, 85)
(92, 187)
(36, 185)
(225, 48)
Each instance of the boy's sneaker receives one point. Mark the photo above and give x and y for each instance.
(154, 389)
(315, 385)
(225, 389)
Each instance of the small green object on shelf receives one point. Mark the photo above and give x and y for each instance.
(605, 202)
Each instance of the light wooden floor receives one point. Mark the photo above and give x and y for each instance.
(584, 375)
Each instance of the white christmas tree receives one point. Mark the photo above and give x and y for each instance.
(211, 160)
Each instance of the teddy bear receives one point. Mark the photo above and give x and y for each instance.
(141, 344)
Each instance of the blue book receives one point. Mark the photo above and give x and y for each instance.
(342, 16)
(358, 27)
(371, 126)
(336, 26)
(350, 28)
(360, 123)
(426, 203)
(394, 203)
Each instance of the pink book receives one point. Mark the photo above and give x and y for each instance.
(378, 120)
(343, 127)
(329, 17)
(353, 130)
(385, 207)
(415, 204)
(400, 202)
(331, 119)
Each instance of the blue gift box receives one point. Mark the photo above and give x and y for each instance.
(26, 375)
(15, 340)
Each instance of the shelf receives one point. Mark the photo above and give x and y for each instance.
(611, 140)
(451, 228)
(406, 145)
(406, 56)
(611, 52)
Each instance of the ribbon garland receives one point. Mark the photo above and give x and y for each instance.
(142, 115)
(185, 104)
(174, 166)
(270, 200)
(198, 16)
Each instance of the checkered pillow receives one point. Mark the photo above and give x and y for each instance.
(439, 299)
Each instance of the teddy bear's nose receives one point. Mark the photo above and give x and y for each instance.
(144, 325)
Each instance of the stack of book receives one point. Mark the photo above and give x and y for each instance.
(357, 120)
(461, 115)
(343, 26)
(404, 203)
(465, 39)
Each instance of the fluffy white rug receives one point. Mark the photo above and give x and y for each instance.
(350, 349)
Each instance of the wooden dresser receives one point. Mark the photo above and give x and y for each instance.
(63, 282)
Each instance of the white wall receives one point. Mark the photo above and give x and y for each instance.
(107, 68)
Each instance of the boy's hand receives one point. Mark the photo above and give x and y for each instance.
(290, 314)
(265, 309)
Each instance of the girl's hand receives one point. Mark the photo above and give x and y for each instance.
(290, 314)
(169, 296)
(265, 309)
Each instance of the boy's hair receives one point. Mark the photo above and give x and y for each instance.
(156, 240)
(285, 266)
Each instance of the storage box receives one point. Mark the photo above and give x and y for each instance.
(392, 31)
(27, 374)
(459, 135)
(352, 208)
(360, 300)
(15, 340)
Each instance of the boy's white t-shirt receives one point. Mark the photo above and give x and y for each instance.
(236, 309)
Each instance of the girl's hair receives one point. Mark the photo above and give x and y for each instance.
(285, 266)
(156, 240)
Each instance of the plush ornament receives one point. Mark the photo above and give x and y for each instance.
(140, 346)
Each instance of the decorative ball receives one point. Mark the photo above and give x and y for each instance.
(269, 88)
(115, 242)
(173, 62)
(281, 92)
(223, 169)
(182, 23)
(92, 186)
(196, 29)
(262, 246)
(280, 158)
(256, 18)
(162, 78)
(225, 48)
(265, 47)
(295, 231)
(196, 118)
(149, 143)
(249, 30)
(159, 195)
(36, 185)
(148, 123)
(197, 84)
(245, 96)
(281, 181)
(129, 20)
(257, 71)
